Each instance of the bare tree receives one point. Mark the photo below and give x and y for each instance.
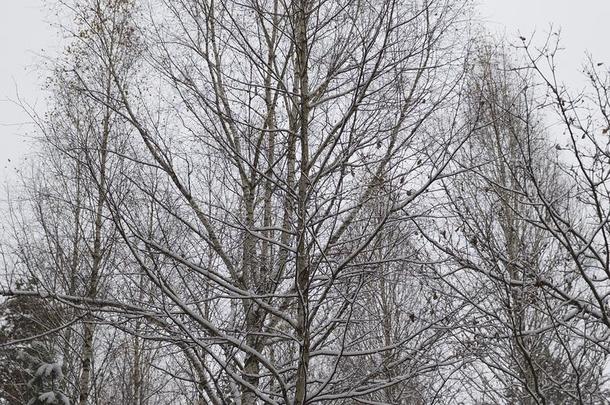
(265, 129)
(317, 201)
(64, 238)
(505, 261)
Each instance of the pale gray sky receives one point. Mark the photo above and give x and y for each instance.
(584, 26)
(24, 32)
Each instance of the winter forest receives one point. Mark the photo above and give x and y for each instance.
(251, 202)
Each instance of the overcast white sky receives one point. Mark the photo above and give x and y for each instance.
(584, 26)
(24, 32)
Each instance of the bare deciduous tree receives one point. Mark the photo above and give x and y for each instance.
(270, 128)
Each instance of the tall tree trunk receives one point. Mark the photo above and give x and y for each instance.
(302, 260)
(89, 326)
